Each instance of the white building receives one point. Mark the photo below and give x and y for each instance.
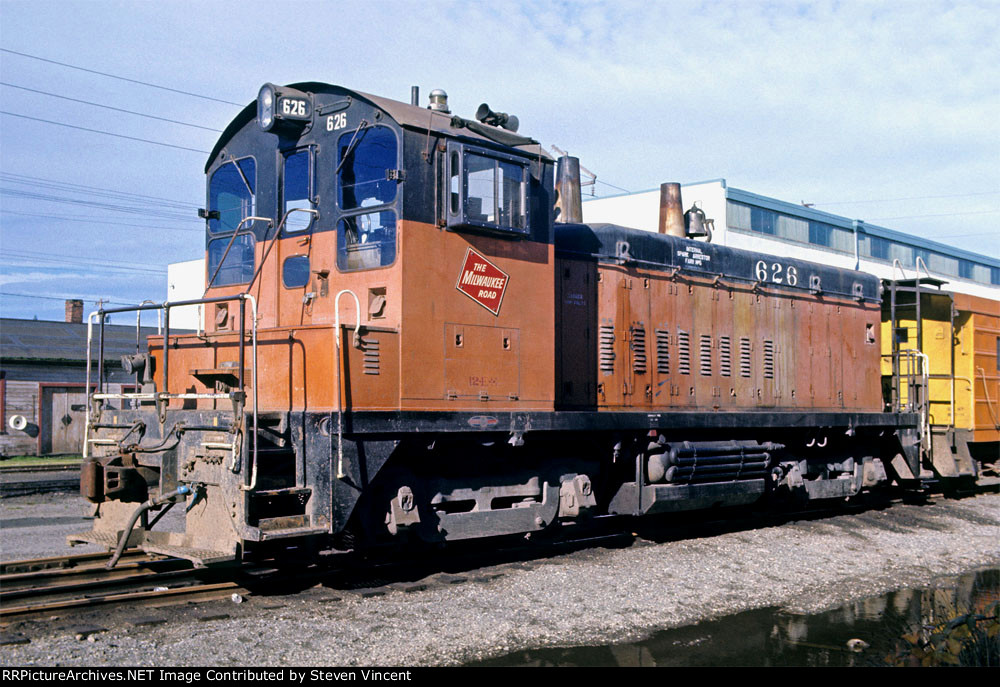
(753, 222)
(186, 282)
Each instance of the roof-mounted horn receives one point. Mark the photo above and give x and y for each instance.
(487, 116)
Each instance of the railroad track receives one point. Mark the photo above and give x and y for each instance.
(65, 584)
(47, 586)
(48, 467)
(21, 480)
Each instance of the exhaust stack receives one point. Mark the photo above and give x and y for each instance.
(671, 210)
(569, 201)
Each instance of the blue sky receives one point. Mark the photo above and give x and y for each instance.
(888, 112)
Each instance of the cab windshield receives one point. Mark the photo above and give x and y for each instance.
(231, 194)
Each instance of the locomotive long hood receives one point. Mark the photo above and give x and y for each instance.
(613, 243)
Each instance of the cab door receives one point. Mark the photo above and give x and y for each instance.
(297, 283)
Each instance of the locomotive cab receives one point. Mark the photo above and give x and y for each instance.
(362, 256)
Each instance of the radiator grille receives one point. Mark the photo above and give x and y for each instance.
(768, 360)
(663, 351)
(371, 365)
(744, 357)
(705, 355)
(683, 353)
(606, 348)
(638, 349)
(725, 357)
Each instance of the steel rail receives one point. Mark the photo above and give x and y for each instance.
(91, 579)
(72, 561)
(203, 592)
(52, 577)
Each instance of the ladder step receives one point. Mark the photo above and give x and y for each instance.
(292, 491)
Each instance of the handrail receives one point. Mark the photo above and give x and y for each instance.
(159, 318)
(274, 239)
(917, 365)
(86, 419)
(989, 401)
(138, 333)
(165, 395)
(340, 364)
(916, 266)
(896, 263)
(229, 245)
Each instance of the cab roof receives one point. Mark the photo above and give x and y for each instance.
(404, 114)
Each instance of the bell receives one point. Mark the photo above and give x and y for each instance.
(694, 221)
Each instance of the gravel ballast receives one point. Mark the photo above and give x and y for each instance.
(595, 596)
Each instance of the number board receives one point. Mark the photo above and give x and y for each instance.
(294, 108)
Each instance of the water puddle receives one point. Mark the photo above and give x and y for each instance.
(953, 623)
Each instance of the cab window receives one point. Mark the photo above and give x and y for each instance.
(297, 191)
(365, 156)
(366, 241)
(295, 271)
(488, 190)
(231, 194)
(367, 160)
(238, 266)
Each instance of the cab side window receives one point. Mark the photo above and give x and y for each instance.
(366, 186)
(487, 190)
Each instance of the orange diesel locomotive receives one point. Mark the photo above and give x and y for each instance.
(410, 335)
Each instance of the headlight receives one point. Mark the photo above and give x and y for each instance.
(265, 106)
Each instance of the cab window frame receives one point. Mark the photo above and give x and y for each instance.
(214, 224)
(351, 218)
(311, 189)
(387, 250)
(464, 160)
(243, 268)
(284, 271)
(359, 135)
(241, 260)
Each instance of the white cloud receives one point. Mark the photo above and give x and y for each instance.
(7, 278)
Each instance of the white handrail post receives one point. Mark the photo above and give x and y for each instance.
(340, 364)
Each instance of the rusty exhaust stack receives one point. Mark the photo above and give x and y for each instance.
(671, 210)
(569, 203)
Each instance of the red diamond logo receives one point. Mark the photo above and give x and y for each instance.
(482, 281)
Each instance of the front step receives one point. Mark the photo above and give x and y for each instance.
(281, 513)
(108, 540)
(199, 557)
(269, 505)
(180, 545)
(270, 535)
(170, 544)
